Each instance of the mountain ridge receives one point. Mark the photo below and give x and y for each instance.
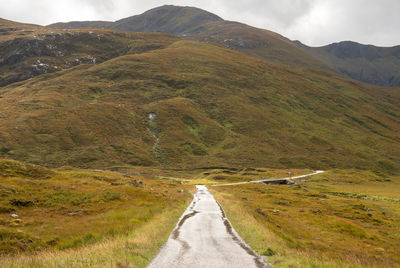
(196, 24)
(367, 63)
(200, 25)
(82, 24)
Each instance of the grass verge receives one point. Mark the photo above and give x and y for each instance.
(135, 249)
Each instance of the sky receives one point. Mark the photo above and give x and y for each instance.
(313, 22)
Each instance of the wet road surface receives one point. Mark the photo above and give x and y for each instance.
(204, 237)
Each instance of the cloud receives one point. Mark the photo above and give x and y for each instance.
(314, 22)
(101, 7)
(47, 11)
(369, 22)
(283, 12)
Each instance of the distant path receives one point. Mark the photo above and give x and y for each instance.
(264, 180)
(204, 237)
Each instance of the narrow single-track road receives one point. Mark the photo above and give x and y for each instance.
(267, 180)
(204, 237)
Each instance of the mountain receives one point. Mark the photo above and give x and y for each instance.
(30, 50)
(197, 24)
(367, 63)
(168, 19)
(180, 103)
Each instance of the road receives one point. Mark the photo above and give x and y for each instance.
(265, 180)
(204, 237)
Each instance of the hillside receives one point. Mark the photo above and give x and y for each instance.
(30, 50)
(197, 24)
(193, 104)
(367, 63)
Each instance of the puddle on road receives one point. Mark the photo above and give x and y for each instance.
(175, 234)
(185, 246)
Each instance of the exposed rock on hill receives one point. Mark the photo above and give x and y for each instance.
(28, 50)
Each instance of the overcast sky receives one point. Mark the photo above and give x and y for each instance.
(313, 22)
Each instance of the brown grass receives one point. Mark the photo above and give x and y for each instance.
(68, 216)
(319, 223)
(135, 249)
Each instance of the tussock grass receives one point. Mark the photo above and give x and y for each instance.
(84, 218)
(314, 224)
(134, 249)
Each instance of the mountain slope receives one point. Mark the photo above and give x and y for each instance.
(197, 24)
(196, 104)
(30, 50)
(255, 42)
(367, 63)
(370, 64)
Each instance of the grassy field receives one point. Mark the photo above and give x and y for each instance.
(83, 218)
(342, 218)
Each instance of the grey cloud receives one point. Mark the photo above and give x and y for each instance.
(369, 22)
(101, 6)
(283, 12)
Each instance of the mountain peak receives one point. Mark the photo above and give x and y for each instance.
(168, 18)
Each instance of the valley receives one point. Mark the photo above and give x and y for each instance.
(178, 138)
